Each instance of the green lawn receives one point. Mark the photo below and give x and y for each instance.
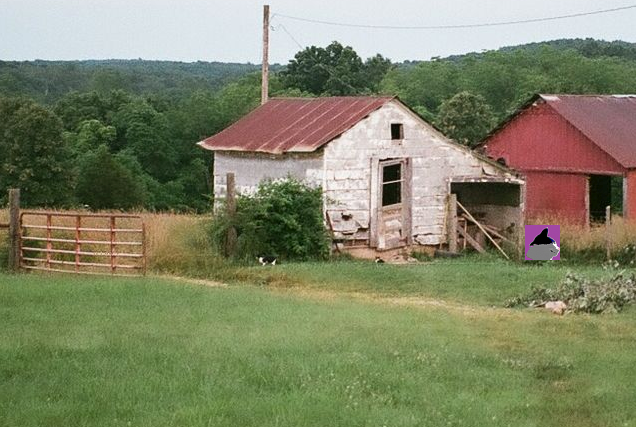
(472, 280)
(154, 352)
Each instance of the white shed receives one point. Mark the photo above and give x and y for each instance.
(386, 173)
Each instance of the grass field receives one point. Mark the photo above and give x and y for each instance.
(161, 352)
(472, 280)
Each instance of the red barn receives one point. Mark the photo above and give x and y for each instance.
(570, 148)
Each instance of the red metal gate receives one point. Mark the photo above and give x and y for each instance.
(83, 243)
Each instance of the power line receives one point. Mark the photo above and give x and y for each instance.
(447, 27)
(288, 33)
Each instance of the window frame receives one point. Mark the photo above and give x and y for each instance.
(402, 180)
(400, 131)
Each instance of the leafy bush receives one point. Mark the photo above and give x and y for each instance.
(283, 218)
(583, 295)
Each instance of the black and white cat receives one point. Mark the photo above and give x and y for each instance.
(543, 247)
(267, 259)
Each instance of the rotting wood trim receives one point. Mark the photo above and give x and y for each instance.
(495, 233)
(482, 229)
(468, 238)
(374, 211)
(293, 155)
(407, 201)
(452, 223)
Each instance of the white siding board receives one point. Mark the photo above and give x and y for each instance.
(250, 170)
(434, 161)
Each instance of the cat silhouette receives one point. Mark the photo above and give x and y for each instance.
(542, 247)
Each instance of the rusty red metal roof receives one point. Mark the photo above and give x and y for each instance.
(609, 121)
(294, 124)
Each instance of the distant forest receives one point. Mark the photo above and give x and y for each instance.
(121, 133)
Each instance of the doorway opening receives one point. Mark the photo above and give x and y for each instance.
(605, 190)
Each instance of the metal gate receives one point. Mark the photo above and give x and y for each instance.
(83, 243)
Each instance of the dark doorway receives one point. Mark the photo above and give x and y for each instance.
(600, 196)
(617, 195)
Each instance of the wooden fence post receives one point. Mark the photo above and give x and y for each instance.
(230, 203)
(452, 223)
(14, 230)
(608, 233)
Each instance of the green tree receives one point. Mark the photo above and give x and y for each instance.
(34, 157)
(238, 98)
(425, 85)
(145, 131)
(105, 183)
(75, 107)
(90, 135)
(375, 68)
(335, 70)
(465, 117)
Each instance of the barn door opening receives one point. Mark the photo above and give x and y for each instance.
(605, 190)
(393, 214)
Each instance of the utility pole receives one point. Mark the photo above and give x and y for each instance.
(265, 71)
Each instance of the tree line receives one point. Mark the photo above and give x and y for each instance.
(125, 137)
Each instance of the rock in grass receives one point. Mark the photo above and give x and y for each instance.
(556, 307)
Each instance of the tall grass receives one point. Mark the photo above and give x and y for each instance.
(582, 244)
(180, 244)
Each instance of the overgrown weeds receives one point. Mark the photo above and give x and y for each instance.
(180, 244)
(581, 244)
(283, 218)
(583, 295)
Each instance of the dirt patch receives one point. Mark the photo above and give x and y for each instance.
(199, 282)
(330, 295)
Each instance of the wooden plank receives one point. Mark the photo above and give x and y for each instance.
(452, 223)
(608, 233)
(14, 230)
(482, 229)
(376, 212)
(408, 197)
(471, 241)
(495, 233)
(230, 205)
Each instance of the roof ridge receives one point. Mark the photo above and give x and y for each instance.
(316, 98)
(589, 95)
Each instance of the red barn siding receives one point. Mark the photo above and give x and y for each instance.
(557, 195)
(556, 160)
(540, 139)
(629, 198)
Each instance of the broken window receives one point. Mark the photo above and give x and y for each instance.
(397, 131)
(392, 179)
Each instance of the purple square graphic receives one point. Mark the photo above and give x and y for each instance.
(532, 231)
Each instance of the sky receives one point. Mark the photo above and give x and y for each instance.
(231, 31)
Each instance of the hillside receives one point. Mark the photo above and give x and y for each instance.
(47, 81)
(138, 120)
